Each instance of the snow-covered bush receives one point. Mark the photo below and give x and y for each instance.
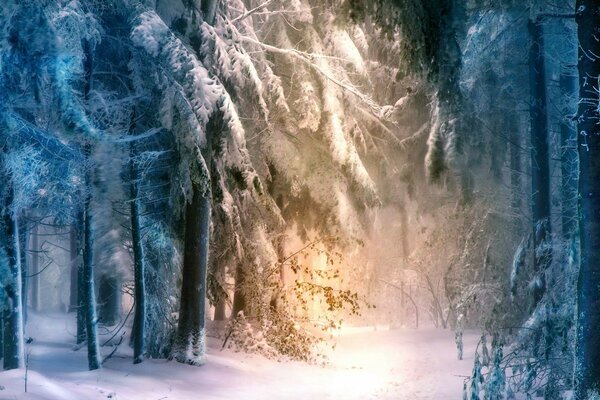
(278, 336)
(287, 320)
(291, 338)
(495, 383)
(242, 336)
(476, 379)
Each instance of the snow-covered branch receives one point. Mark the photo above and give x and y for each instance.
(252, 11)
(382, 112)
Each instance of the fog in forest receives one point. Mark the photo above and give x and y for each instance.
(386, 199)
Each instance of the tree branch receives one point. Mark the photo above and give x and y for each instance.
(381, 112)
(250, 12)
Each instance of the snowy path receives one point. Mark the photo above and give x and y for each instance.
(367, 364)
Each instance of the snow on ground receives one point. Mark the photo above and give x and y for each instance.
(366, 364)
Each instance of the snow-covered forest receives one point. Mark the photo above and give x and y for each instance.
(300, 199)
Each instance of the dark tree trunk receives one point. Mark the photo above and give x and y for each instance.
(1, 334)
(404, 232)
(139, 321)
(189, 344)
(540, 168)
(515, 166)
(221, 306)
(587, 358)
(34, 268)
(568, 136)
(278, 297)
(109, 299)
(466, 186)
(81, 312)
(220, 310)
(13, 315)
(74, 254)
(209, 10)
(23, 245)
(239, 297)
(496, 152)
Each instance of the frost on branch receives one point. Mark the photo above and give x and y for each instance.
(196, 96)
(78, 33)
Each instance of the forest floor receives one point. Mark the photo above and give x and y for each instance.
(366, 364)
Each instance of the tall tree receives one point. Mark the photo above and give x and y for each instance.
(190, 346)
(74, 267)
(89, 301)
(587, 357)
(13, 310)
(139, 268)
(23, 246)
(540, 167)
(568, 138)
(34, 268)
(515, 165)
(239, 297)
(109, 298)
(81, 287)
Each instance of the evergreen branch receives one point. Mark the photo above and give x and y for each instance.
(379, 111)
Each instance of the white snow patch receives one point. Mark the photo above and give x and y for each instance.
(368, 363)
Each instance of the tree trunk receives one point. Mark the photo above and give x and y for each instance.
(190, 346)
(89, 300)
(34, 268)
(221, 306)
(23, 244)
(409, 296)
(404, 233)
(209, 10)
(587, 357)
(1, 334)
(220, 310)
(74, 254)
(239, 297)
(540, 168)
(81, 334)
(109, 299)
(13, 313)
(139, 268)
(515, 166)
(568, 136)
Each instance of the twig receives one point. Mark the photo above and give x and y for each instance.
(40, 271)
(250, 12)
(115, 349)
(227, 337)
(120, 327)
